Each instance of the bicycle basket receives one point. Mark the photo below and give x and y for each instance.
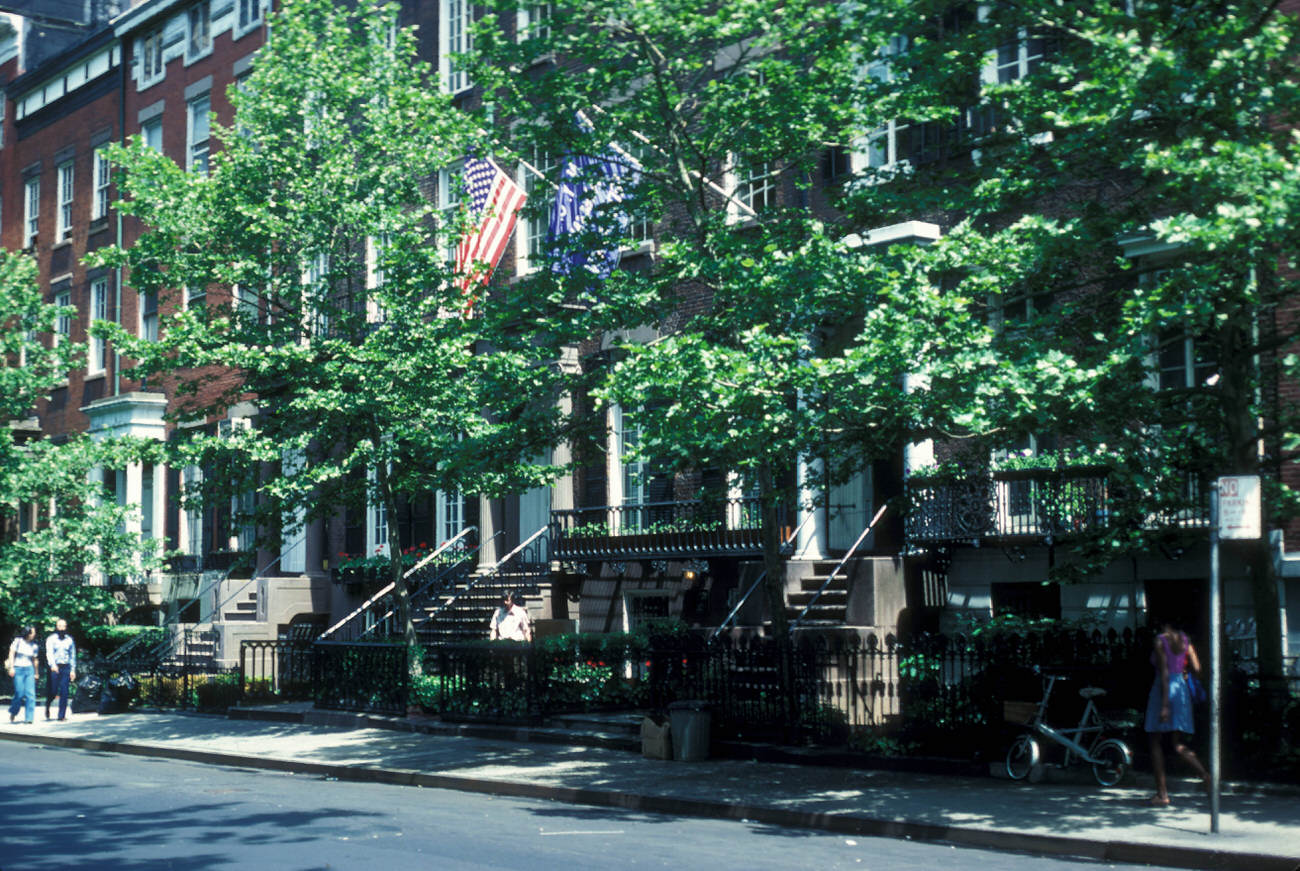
(1020, 713)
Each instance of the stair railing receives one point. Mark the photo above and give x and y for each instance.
(485, 579)
(356, 614)
(844, 559)
(730, 619)
(167, 647)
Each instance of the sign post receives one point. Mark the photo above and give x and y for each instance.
(1235, 514)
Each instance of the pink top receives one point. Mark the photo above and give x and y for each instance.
(1177, 661)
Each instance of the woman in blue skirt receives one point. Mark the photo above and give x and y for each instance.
(1169, 706)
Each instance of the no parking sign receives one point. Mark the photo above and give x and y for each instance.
(1239, 511)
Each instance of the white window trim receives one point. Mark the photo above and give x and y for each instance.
(524, 20)
(103, 179)
(448, 523)
(97, 309)
(740, 210)
(238, 30)
(31, 210)
(190, 55)
(454, 81)
(524, 232)
(63, 324)
(151, 125)
(65, 176)
(190, 115)
(143, 44)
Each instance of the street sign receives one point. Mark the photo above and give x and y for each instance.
(1239, 511)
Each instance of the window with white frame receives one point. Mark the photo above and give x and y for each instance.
(65, 192)
(376, 251)
(538, 221)
(533, 21)
(31, 210)
(316, 293)
(149, 47)
(450, 517)
(1016, 60)
(1018, 307)
(248, 303)
(250, 13)
(199, 128)
(1184, 360)
(149, 317)
(754, 188)
(63, 324)
(898, 143)
(200, 30)
(454, 39)
(151, 133)
(449, 199)
(97, 357)
(196, 297)
(103, 177)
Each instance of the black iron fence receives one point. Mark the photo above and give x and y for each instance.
(683, 528)
(934, 695)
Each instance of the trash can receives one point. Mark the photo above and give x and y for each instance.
(691, 721)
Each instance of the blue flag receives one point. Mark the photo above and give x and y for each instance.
(586, 185)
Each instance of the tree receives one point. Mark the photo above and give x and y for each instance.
(55, 522)
(777, 339)
(318, 233)
(1118, 182)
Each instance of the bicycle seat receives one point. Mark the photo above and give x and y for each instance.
(1092, 692)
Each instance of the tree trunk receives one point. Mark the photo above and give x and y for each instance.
(773, 562)
(401, 595)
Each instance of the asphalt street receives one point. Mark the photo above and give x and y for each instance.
(64, 808)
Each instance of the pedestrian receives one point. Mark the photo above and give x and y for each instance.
(22, 665)
(1169, 707)
(61, 667)
(510, 622)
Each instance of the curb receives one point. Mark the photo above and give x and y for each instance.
(847, 824)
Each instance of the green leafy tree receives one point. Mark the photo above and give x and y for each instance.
(345, 324)
(1118, 187)
(778, 336)
(76, 527)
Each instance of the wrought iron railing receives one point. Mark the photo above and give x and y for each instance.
(361, 677)
(275, 670)
(436, 574)
(1038, 503)
(687, 528)
(464, 614)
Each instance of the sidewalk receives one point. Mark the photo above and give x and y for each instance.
(1258, 832)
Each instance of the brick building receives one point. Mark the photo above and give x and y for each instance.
(161, 70)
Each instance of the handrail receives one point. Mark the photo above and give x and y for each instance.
(496, 569)
(391, 585)
(730, 618)
(847, 556)
(168, 646)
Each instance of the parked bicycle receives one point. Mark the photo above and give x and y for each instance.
(1110, 758)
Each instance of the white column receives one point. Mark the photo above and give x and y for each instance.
(812, 516)
(614, 465)
(917, 455)
(293, 550)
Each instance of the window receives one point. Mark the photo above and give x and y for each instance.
(149, 317)
(199, 129)
(376, 251)
(103, 176)
(449, 194)
(65, 178)
(450, 515)
(380, 511)
(454, 39)
(755, 189)
(150, 49)
(538, 221)
(248, 303)
(32, 211)
(250, 13)
(837, 164)
(1184, 360)
(1019, 307)
(1016, 60)
(97, 359)
(63, 325)
(151, 133)
(200, 30)
(316, 292)
(899, 143)
(196, 297)
(1031, 600)
(533, 21)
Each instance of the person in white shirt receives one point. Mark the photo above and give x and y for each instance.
(510, 622)
(61, 657)
(22, 665)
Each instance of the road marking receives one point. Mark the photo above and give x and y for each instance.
(584, 832)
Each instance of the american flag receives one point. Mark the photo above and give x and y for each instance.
(494, 204)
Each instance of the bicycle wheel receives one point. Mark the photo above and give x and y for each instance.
(1113, 761)
(1022, 757)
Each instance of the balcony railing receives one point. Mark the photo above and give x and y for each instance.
(666, 530)
(1037, 504)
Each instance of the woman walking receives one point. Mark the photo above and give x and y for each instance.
(1169, 707)
(22, 665)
